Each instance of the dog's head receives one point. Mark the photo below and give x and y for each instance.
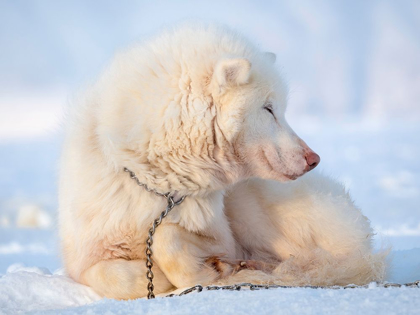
(251, 102)
(199, 117)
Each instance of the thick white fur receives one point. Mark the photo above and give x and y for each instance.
(185, 112)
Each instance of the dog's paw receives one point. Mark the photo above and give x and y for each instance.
(222, 267)
(227, 267)
(255, 265)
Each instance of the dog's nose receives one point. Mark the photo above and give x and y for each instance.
(312, 159)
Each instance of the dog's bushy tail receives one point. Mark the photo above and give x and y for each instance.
(319, 268)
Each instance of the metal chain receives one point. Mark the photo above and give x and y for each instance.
(253, 287)
(149, 241)
(133, 176)
(235, 287)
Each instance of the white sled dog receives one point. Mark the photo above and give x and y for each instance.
(199, 111)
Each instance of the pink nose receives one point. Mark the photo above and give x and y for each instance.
(312, 159)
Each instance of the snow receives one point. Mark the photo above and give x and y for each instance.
(280, 301)
(28, 289)
(25, 289)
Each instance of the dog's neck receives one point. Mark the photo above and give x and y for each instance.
(198, 213)
(178, 199)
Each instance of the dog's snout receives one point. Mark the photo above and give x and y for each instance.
(312, 159)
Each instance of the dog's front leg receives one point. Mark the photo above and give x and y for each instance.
(188, 258)
(123, 279)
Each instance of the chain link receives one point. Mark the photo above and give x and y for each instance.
(149, 241)
(253, 287)
(133, 176)
(235, 287)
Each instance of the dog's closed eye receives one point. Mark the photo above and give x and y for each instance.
(269, 107)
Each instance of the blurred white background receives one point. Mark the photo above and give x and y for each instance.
(353, 68)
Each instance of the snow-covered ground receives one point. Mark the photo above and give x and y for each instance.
(33, 281)
(37, 290)
(40, 292)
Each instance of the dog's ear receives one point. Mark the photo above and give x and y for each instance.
(270, 57)
(232, 72)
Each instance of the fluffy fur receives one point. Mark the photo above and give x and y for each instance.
(199, 111)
